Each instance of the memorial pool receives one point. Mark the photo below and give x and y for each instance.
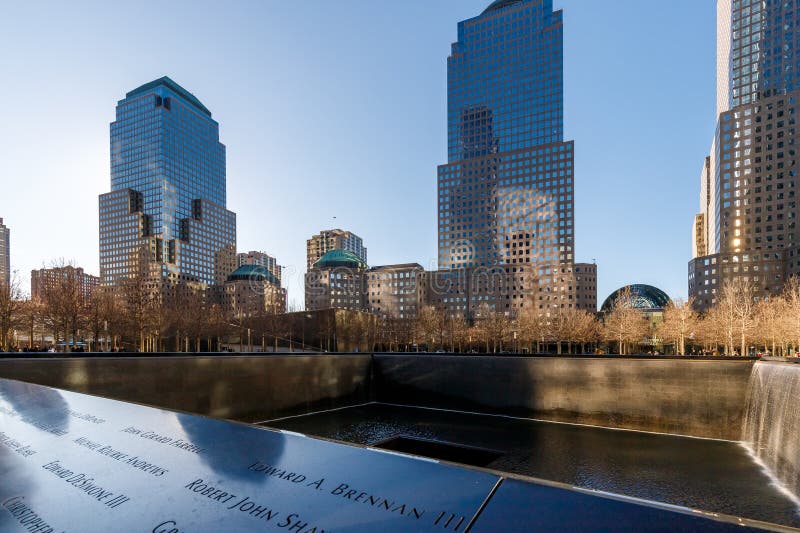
(714, 475)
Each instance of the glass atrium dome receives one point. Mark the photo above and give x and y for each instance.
(644, 297)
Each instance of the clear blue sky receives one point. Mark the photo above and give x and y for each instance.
(337, 109)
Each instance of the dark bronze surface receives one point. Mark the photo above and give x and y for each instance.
(696, 397)
(713, 475)
(84, 464)
(521, 506)
(72, 462)
(248, 388)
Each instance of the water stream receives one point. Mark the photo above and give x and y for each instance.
(771, 429)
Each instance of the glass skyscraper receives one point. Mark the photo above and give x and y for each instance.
(168, 190)
(5, 254)
(505, 197)
(747, 224)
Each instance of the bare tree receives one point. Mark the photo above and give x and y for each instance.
(586, 329)
(10, 307)
(624, 324)
(679, 324)
(430, 327)
(791, 295)
(737, 311)
(102, 313)
(495, 327)
(64, 303)
(533, 328)
(770, 321)
(31, 320)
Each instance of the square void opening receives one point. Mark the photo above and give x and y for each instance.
(446, 451)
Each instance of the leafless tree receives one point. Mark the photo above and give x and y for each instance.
(624, 324)
(533, 328)
(737, 312)
(680, 323)
(791, 297)
(10, 307)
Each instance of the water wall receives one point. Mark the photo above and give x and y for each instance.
(698, 397)
(772, 420)
(678, 395)
(248, 388)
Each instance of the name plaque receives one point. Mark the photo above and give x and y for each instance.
(76, 463)
(71, 462)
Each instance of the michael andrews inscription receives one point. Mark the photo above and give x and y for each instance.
(134, 461)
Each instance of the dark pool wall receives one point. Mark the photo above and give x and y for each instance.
(245, 388)
(704, 398)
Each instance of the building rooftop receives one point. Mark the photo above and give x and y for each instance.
(170, 84)
(340, 258)
(396, 267)
(500, 4)
(253, 273)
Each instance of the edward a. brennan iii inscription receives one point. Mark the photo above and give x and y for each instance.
(76, 463)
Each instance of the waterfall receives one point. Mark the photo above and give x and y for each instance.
(771, 429)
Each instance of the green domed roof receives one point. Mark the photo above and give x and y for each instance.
(340, 258)
(500, 4)
(253, 273)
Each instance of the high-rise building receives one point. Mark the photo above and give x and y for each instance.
(337, 280)
(260, 259)
(5, 254)
(394, 291)
(505, 197)
(67, 277)
(251, 290)
(747, 224)
(167, 203)
(333, 239)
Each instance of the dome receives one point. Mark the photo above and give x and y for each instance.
(644, 297)
(500, 4)
(253, 273)
(340, 258)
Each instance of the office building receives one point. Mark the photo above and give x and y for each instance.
(506, 194)
(394, 291)
(5, 254)
(747, 222)
(336, 280)
(73, 279)
(166, 212)
(334, 239)
(250, 291)
(260, 259)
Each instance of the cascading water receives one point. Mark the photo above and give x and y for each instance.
(771, 429)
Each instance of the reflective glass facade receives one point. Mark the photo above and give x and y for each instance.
(505, 80)
(747, 225)
(506, 195)
(762, 48)
(5, 254)
(168, 190)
